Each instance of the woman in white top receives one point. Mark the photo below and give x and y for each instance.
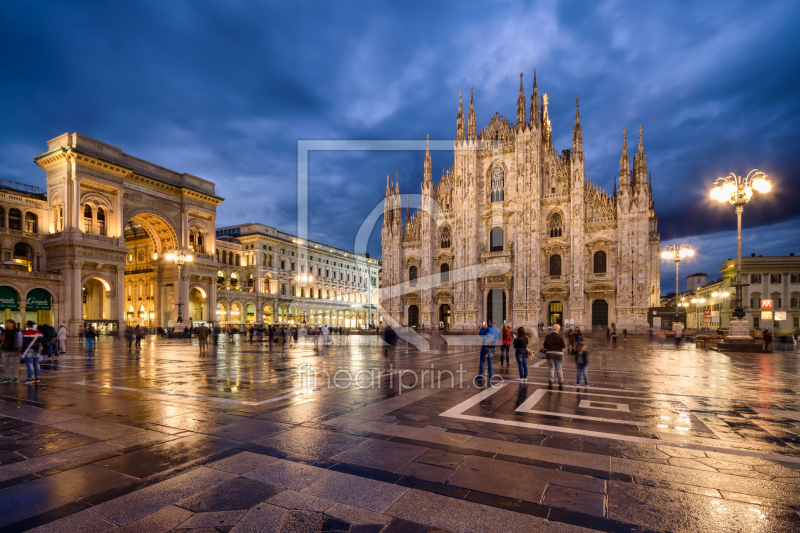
(62, 339)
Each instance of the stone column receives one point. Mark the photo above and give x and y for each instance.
(212, 299)
(158, 290)
(118, 305)
(75, 303)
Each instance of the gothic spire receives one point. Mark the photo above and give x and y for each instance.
(460, 119)
(577, 132)
(428, 170)
(545, 122)
(522, 117)
(473, 128)
(624, 162)
(640, 164)
(535, 103)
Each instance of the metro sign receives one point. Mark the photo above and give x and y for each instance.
(766, 304)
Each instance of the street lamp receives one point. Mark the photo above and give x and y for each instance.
(677, 253)
(737, 191)
(696, 301)
(179, 257)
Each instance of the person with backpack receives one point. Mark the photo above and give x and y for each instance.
(582, 360)
(554, 345)
(31, 340)
(90, 335)
(130, 337)
(11, 343)
(48, 336)
(521, 353)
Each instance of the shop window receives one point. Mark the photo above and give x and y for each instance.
(14, 219)
(31, 223)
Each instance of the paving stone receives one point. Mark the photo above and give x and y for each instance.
(460, 516)
(242, 463)
(288, 474)
(311, 441)
(666, 510)
(380, 454)
(11, 471)
(250, 430)
(367, 494)
(302, 522)
(551, 455)
(238, 493)
(98, 429)
(136, 505)
(162, 520)
(398, 525)
(575, 500)
(433, 473)
(290, 499)
(82, 521)
(500, 477)
(356, 515)
(263, 518)
(441, 458)
(690, 463)
(68, 456)
(213, 519)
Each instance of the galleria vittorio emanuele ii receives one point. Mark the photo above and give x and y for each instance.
(518, 232)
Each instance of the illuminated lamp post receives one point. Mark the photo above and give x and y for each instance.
(737, 191)
(677, 253)
(179, 257)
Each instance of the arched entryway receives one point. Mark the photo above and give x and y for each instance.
(555, 314)
(267, 314)
(444, 316)
(196, 305)
(96, 300)
(496, 306)
(413, 315)
(599, 313)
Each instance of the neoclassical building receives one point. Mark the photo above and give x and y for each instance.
(515, 231)
(94, 248)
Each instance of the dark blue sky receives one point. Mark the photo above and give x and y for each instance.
(224, 90)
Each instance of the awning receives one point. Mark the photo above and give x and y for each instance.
(9, 298)
(38, 300)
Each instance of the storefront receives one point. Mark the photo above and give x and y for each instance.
(9, 304)
(39, 307)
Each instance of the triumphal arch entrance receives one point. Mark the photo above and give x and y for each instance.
(114, 219)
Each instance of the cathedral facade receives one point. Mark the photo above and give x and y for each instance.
(515, 231)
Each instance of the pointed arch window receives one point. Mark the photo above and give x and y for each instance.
(498, 179)
(444, 237)
(412, 275)
(555, 265)
(555, 225)
(600, 262)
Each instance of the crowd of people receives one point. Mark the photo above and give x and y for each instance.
(29, 347)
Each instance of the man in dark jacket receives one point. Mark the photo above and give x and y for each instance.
(554, 345)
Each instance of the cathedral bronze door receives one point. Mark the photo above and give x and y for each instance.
(413, 316)
(496, 306)
(599, 313)
(556, 315)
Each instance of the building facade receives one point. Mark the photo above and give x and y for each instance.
(94, 248)
(515, 231)
(268, 276)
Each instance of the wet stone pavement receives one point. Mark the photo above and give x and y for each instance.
(253, 438)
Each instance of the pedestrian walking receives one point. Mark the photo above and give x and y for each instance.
(767, 339)
(608, 333)
(31, 339)
(325, 335)
(215, 332)
(202, 338)
(554, 345)
(138, 333)
(521, 353)
(570, 340)
(130, 336)
(650, 333)
(614, 335)
(506, 346)
(678, 334)
(10, 346)
(624, 334)
(581, 361)
(90, 333)
(62, 339)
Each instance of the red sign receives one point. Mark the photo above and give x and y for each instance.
(707, 312)
(766, 304)
(766, 315)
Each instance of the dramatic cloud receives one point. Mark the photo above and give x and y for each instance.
(225, 90)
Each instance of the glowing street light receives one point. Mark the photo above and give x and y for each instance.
(737, 191)
(677, 253)
(179, 257)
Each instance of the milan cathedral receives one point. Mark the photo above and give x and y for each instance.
(515, 231)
